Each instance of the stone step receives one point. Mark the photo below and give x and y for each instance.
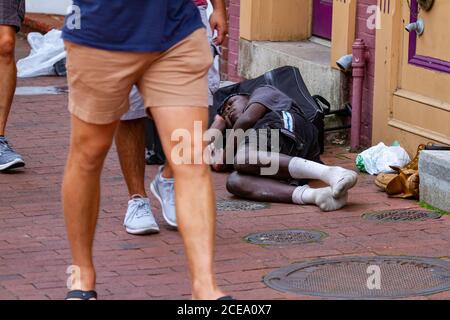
(312, 59)
(434, 172)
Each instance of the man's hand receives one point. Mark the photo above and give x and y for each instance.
(219, 123)
(216, 157)
(218, 21)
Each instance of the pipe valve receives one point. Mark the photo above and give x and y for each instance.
(418, 27)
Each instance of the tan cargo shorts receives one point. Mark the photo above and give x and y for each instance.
(100, 81)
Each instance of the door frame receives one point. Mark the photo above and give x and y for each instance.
(389, 56)
(418, 60)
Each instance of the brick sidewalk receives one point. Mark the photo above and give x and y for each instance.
(34, 252)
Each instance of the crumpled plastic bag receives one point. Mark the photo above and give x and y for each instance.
(379, 158)
(46, 51)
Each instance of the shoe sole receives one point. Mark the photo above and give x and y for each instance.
(12, 165)
(142, 231)
(153, 190)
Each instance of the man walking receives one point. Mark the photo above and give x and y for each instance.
(12, 13)
(130, 142)
(161, 47)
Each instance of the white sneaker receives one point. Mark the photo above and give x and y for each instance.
(163, 190)
(139, 218)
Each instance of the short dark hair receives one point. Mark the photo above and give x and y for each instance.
(220, 111)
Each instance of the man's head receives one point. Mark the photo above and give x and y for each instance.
(234, 107)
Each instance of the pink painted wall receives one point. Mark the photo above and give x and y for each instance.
(363, 32)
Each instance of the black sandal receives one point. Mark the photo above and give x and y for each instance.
(81, 295)
(226, 298)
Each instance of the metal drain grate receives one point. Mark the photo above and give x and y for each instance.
(399, 277)
(282, 237)
(401, 215)
(240, 205)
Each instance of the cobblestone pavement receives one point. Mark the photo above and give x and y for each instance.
(34, 252)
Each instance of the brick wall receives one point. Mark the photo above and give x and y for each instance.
(230, 56)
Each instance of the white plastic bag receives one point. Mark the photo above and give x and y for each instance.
(46, 50)
(377, 159)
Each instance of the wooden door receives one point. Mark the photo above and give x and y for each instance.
(412, 77)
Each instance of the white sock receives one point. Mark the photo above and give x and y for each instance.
(339, 179)
(297, 195)
(322, 197)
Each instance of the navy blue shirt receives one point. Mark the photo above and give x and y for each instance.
(132, 25)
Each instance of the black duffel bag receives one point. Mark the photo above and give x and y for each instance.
(289, 81)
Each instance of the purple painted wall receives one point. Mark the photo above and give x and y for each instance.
(322, 18)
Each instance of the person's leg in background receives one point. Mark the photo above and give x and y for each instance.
(163, 185)
(130, 143)
(10, 21)
(8, 73)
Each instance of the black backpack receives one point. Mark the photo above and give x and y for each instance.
(289, 81)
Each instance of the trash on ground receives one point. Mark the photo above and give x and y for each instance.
(380, 158)
(47, 52)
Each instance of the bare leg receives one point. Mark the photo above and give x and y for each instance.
(8, 73)
(167, 172)
(244, 166)
(244, 182)
(130, 142)
(89, 146)
(194, 198)
(339, 179)
(259, 188)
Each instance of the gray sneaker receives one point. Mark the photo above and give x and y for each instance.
(139, 218)
(163, 190)
(9, 159)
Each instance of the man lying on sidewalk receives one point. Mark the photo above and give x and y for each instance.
(130, 142)
(297, 157)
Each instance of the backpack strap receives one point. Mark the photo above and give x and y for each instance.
(323, 103)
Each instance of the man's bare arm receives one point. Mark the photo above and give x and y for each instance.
(218, 21)
(247, 120)
(252, 114)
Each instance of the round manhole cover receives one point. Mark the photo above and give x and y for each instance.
(363, 277)
(401, 215)
(240, 205)
(283, 237)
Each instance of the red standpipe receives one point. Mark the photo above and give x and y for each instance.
(360, 56)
